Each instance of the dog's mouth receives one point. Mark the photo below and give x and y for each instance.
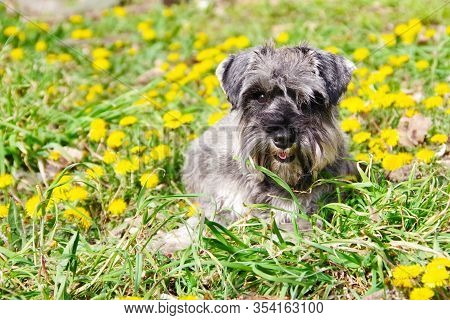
(283, 156)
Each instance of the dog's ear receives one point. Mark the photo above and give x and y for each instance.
(336, 71)
(222, 71)
(230, 73)
(227, 79)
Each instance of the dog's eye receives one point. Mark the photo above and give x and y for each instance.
(292, 94)
(261, 97)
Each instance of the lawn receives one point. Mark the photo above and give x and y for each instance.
(98, 108)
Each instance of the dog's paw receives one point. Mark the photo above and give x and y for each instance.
(170, 242)
(302, 225)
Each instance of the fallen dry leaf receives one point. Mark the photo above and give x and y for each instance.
(51, 168)
(401, 174)
(412, 131)
(149, 75)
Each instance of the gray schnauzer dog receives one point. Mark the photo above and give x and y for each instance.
(283, 118)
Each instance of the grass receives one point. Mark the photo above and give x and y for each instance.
(48, 101)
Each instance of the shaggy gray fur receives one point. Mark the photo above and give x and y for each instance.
(284, 118)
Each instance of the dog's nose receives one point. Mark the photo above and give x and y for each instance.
(284, 139)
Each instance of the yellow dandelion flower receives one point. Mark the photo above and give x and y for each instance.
(429, 33)
(60, 192)
(149, 134)
(149, 180)
(435, 277)
(117, 207)
(362, 157)
(241, 42)
(332, 49)
(361, 54)
(128, 121)
(78, 215)
(187, 297)
(174, 46)
(192, 136)
(372, 37)
(97, 130)
(132, 51)
(148, 34)
(215, 117)
(400, 29)
(3, 210)
(376, 77)
(124, 166)
(398, 61)
(439, 263)
(54, 155)
(167, 12)
(144, 25)
(421, 294)
(11, 31)
(6, 180)
(422, 65)
(350, 125)
(109, 157)
(76, 19)
(115, 139)
(386, 70)
(405, 157)
(213, 101)
(177, 72)
(77, 193)
(433, 102)
(146, 159)
(31, 207)
(101, 64)
(174, 119)
(439, 138)
(119, 11)
(403, 275)
(389, 39)
(64, 57)
(173, 57)
(282, 37)
(441, 88)
(354, 104)
(100, 53)
(81, 34)
(16, 54)
(135, 161)
(193, 209)
(361, 72)
(171, 95)
(403, 100)
(410, 112)
(360, 137)
(410, 31)
(95, 172)
(425, 155)
(160, 152)
(40, 46)
(390, 136)
(137, 149)
(130, 298)
(119, 44)
(392, 162)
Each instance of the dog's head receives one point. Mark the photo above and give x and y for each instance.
(287, 100)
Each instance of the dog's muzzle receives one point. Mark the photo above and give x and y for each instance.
(284, 140)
